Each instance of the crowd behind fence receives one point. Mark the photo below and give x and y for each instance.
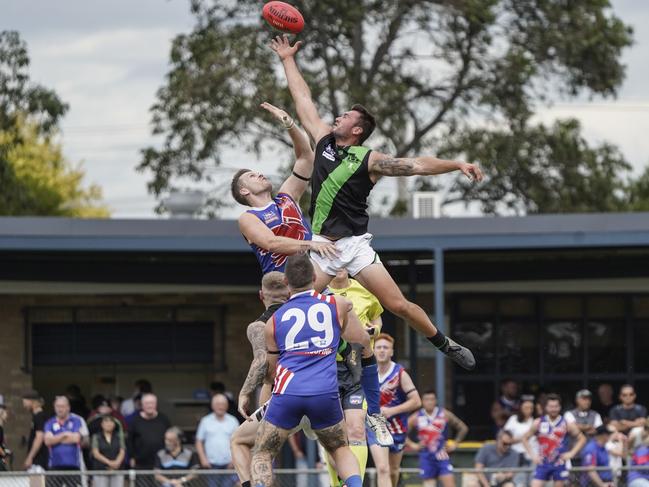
(464, 477)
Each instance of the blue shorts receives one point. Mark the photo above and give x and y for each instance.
(323, 410)
(550, 471)
(399, 441)
(431, 468)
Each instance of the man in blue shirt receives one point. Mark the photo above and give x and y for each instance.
(63, 435)
(213, 438)
(595, 454)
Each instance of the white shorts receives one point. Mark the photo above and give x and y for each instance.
(354, 254)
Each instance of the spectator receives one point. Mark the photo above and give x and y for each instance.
(640, 458)
(116, 403)
(431, 425)
(519, 424)
(147, 434)
(627, 415)
(100, 408)
(137, 404)
(174, 457)
(141, 386)
(64, 434)
(5, 453)
(78, 404)
(498, 455)
(507, 404)
(219, 388)
(108, 451)
(595, 454)
(604, 402)
(36, 460)
(539, 406)
(586, 419)
(213, 436)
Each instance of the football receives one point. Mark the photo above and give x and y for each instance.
(283, 17)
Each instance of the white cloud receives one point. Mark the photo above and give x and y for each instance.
(107, 60)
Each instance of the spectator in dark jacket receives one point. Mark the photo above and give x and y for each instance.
(146, 434)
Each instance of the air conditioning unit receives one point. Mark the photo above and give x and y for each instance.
(425, 204)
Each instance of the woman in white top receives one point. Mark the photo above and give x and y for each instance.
(519, 424)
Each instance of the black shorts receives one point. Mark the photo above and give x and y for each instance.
(270, 311)
(351, 391)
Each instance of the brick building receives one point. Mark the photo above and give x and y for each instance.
(558, 302)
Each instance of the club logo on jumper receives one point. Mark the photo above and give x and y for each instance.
(352, 161)
(329, 153)
(269, 216)
(287, 222)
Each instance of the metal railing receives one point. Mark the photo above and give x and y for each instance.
(464, 477)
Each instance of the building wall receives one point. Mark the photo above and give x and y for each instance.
(169, 382)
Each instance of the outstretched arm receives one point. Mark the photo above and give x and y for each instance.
(256, 232)
(385, 165)
(306, 109)
(297, 182)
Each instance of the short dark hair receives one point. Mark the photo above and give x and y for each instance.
(553, 397)
(235, 187)
(299, 271)
(429, 391)
(367, 121)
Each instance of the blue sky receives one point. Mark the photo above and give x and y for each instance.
(107, 59)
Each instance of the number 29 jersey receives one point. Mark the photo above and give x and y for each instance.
(307, 332)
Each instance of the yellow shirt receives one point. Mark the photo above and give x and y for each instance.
(365, 304)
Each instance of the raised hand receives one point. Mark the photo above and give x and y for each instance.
(471, 171)
(283, 48)
(278, 113)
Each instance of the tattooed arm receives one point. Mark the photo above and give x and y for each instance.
(384, 165)
(258, 366)
(460, 427)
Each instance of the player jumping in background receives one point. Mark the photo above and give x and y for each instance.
(551, 431)
(432, 424)
(399, 398)
(344, 174)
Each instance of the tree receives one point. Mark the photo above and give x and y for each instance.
(434, 72)
(34, 176)
(40, 180)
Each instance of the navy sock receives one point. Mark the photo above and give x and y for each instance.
(354, 481)
(370, 384)
(439, 339)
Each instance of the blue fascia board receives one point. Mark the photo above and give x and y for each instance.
(206, 243)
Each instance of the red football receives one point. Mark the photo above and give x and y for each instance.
(284, 17)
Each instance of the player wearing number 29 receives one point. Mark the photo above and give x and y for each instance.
(302, 338)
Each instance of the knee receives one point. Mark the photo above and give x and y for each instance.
(356, 431)
(382, 469)
(398, 305)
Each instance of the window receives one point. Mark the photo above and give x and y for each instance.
(547, 343)
(124, 336)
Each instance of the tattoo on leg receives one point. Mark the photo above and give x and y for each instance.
(333, 437)
(267, 445)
